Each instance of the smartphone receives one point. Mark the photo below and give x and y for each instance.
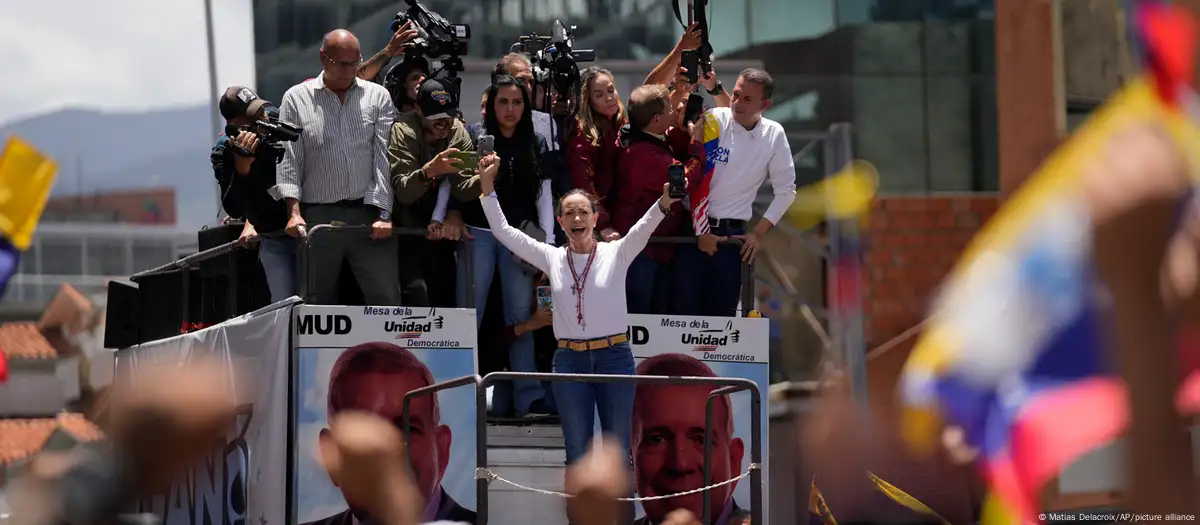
(487, 144)
(467, 160)
(676, 188)
(691, 61)
(544, 299)
(695, 108)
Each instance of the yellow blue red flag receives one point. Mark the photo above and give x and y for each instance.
(1012, 354)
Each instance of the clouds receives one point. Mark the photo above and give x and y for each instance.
(118, 55)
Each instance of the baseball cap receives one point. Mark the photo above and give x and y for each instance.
(239, 101)
(435, 101)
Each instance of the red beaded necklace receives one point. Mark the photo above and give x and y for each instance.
(580, 280)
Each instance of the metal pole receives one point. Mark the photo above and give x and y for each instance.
(218, 123)
(845, 243)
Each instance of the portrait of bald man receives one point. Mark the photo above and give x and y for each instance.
(374, 377)
(338, 173)
(668, 443)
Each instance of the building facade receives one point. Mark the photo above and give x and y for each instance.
(87, 256)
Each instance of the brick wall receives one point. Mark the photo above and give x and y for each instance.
(913, 243)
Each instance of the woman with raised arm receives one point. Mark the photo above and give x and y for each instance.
(587, 283)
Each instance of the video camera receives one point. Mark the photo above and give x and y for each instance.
(272, 133)
(441, 43)
(555, 61)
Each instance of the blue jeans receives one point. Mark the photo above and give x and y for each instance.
(516, 287)
(278, 259)
(578, 403)
(647, 286)
(708, 285)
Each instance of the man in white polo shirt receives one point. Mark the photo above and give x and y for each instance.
(744, 150)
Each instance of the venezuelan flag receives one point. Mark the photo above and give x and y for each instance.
(819, 513)
(818, 510)
(698, 194)
(1012, 354)
(26, 177)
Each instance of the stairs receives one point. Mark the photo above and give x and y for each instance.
(532, 456)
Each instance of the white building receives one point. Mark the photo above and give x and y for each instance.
(87, 256)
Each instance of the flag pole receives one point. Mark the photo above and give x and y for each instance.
(218, 123)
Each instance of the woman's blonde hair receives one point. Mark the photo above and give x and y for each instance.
(589, 122)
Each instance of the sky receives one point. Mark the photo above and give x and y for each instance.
(118, 55)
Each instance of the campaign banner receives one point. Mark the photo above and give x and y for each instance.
(242, 481)
(668, 421)
(368, 358)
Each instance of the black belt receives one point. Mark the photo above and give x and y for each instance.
(348, 203)
(736, 224)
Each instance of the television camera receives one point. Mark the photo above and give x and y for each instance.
(555, 61)
(438, 41)
(272, 133)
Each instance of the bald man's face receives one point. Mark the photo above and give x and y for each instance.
(668, 449)
(429, 441)
(341, 57)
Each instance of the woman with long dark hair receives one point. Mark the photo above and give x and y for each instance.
(593, 146)
(524, 193)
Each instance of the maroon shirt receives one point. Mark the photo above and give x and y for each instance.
(593, 169)
(641, 173)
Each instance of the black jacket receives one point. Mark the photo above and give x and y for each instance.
(245, 196)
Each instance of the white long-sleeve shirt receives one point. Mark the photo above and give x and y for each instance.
(743, 160)
(605, 312)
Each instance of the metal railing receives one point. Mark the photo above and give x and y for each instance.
(724, 386)
(185, 264)
(309, 272)
(405, 417)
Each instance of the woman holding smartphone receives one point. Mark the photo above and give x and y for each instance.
(593, 144)
(587, 283)
(524, 192)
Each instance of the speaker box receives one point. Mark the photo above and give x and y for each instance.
(121, 318)
(231, 284)
(166, 307)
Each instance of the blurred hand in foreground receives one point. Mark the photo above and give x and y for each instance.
(596, 481)
(365, 456)
(167, 419)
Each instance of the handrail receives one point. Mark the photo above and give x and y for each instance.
(755, 459)
(199, 257)
(406, 424)
(481, 455)
(307, 270)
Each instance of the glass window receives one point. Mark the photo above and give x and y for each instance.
(107, 257)
(62, 256)
(28, 262)
(147, 254)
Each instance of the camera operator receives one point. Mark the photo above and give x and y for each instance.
(403, 80)
(399, 43)
(245, 171)
(420, 153)
(339, 174)
(658, 139)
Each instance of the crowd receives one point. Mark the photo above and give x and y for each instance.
(381, 158)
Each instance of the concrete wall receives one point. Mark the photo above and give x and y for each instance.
(38, 388)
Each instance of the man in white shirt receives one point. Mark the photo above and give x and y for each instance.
(744, 149)
(337, 173)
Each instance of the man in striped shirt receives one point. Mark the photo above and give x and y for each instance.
(337, 173)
